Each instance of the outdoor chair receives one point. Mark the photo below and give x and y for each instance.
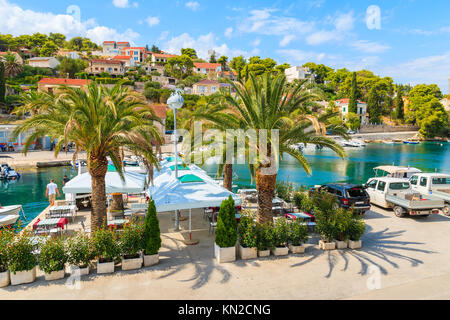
(212, 223)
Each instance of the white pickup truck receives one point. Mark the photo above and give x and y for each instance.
(435, 184)
(396, 193)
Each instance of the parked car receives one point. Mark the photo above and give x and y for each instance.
(349, 195)
(435, 184)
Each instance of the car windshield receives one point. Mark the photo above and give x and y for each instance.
(441, 181)
(356, 192)
(399, 186)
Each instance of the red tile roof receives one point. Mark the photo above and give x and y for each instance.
(122, 57)
(109, 42)
(60, 81)
(164, 55)
(346, 101)
(135, 48)
(204, 65)
(160, 110)
(207, 81)
(106, 61)
(123, 43)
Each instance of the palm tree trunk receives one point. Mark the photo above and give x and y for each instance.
(97, 169)
(265, 184)
(228, 177)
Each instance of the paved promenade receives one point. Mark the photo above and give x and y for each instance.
(404, 258)
(18, 160)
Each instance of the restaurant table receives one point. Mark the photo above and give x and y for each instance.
(62, 212)
(51, 223)
(300, 215)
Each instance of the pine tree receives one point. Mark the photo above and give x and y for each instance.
(353, 104)
(226, 230)
(152, 233)
(373, 107)
(2, 83)
(399, 106)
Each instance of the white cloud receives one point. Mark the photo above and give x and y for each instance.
(229, 32)
(124, 4)
(299, 57)
(369, 46)
(430, 69)
(163, 36)
(201, 44)
(17, 21)
(193, 5)
(152, 21)
(286, 40)
(342, 24)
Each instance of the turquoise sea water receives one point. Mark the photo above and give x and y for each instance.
(29, 191)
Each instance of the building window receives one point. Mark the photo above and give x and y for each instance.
(213, 89)
(360, 111)
(115, 69)
(343, 109)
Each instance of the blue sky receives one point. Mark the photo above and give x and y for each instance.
(412, 44)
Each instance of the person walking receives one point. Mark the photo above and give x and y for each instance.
(65, 180)
(52, 190)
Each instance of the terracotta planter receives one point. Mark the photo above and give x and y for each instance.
(224, 255)
(106, 267)
(23, 277)
(327, 245)
(283, 251)
(247, 253)
(4, 279)
(131, 264)
(296, 249)
(55, 275)
(355, 244)
(264, 253)
(341, 244)
(82, 271)
(151, 260)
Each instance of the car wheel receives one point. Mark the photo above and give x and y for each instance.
(446, 210)
(399, 212)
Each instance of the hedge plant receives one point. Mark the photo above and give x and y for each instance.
(20, 254)
(131, 240)
(264, 237)
(80, 250)
(53, 255)
(106, 246)
(151, 235)
(298, 233)
(247, 232)
(226, 232)
(281, 233)
(6, 236)
(356, 229)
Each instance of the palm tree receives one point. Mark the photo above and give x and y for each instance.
(99, 121)
(268, 103)
(12, 66)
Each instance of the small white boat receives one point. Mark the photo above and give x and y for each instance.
(8, 220)
(10, 210)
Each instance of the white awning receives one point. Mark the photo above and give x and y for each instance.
(134, 183)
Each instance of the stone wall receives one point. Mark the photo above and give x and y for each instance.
(385, 128)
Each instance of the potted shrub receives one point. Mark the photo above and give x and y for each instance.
(106, 250)
(53, 258)
(247, 238)
(342, 223)
(22, 261)
(280, 239)
(226, 233)
(298, 235)
(130, 246)
(357, 228)
(80, 253)
(6, 236)
(264, 239)
(151, 237)
(325, 207)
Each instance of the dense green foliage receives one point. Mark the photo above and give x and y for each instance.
(80, 250)
(151, 237)
(264, 236)
(106, 245)
(285, 190)
(281, 233)
(71, 66)
(303, 202)
(2, 83)
(353, 104)
(247, 231)
(6, 236)
(20, 254)
(53, 255)
(298, 233)
(131, 240)
(226, 230)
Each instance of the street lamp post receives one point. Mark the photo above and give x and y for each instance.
(176, 102)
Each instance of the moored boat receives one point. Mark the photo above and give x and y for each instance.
(9, 215)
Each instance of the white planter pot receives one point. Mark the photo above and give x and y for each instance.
(284, 251)
(355, 244)
(55, 275)
(327, 245)
(151, 260)
(4, 279)
(341, 244)
(22, 277)
(131, 264)
(82, 271)
(107, 267)
(247, 253)
(224, 255)
(296, 249)
(264, 253)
